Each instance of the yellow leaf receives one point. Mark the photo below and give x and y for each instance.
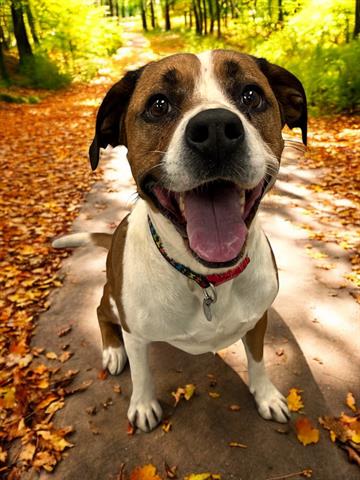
(332, 436)
(305, 431)
(238, 445)
(147, 472)
(294, 400)
(55, 406)
(3, 455)
(27, 452)
(45, 460)
(214, 394)
(350, 401)
(189, 391)
(51, 355)
(203, 476)
(57, 442)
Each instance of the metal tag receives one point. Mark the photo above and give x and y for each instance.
(210, 297)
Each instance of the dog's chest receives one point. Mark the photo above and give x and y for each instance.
(161, 304)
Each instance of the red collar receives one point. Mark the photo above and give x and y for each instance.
(220, 278)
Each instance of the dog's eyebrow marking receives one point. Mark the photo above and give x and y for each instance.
(171, 77)
(231, 67)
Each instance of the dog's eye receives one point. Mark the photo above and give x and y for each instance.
(252, 98)
(158, 106)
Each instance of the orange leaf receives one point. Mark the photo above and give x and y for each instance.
(147, 472)
(294, 400)
(306, 433)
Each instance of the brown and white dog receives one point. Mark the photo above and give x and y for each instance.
(204, 142)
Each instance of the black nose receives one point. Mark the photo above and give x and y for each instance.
(214, 133)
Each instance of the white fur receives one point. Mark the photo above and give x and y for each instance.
(114, 359)
(270, 402)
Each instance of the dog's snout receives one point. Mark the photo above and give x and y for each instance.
(214, 133)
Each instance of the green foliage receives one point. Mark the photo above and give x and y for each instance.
(76, 34)
(40, 72)
(313, 45)
(6, 97)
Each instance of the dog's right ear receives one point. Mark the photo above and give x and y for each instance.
(109, 130)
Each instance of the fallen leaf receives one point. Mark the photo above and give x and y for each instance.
(91, 410)
(116, 388)
(305, 431)
(64, 331)
(350, 401)
(27, 452)
(102, 375)
(184, 392)
(51, 355)
(354, 457)
(64, 357)
(45, 460)
(55, 406)
(203, 476)
(234, 408)
(170, 471)
(238, 445)
(294, 400)
(166, 426)
(214, 394)
(3, 455)
(131, 429)
(147, 472)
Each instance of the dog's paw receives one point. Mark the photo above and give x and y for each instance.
(145, 414)
(114, 359)
(271, 404)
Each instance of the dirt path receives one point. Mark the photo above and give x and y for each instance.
(310, 344)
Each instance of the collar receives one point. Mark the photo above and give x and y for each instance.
(204, 281)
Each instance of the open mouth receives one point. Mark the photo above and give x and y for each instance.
(213, 218)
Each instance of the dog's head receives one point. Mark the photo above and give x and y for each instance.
(204, 141)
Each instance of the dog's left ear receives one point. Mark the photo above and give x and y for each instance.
(108, 130)
(289, 93)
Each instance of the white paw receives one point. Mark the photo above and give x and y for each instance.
(114, 359)
(145, 415)
(271, 404)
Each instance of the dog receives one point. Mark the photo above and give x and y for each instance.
(190, 265)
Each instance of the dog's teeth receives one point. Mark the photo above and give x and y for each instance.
(181, 203)
(242, 201)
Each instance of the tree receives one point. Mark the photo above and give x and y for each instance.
(22, 40)
(167, 15)
(357, 19)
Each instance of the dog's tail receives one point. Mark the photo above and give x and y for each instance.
(79, 239)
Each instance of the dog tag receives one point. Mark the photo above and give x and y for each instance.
(210, 297)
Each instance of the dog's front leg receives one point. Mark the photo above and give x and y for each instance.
(271, 403)
(144, 410)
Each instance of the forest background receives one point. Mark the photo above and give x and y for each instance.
(51, 43)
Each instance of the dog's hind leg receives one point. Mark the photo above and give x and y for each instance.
(270, 402)
(114, 355)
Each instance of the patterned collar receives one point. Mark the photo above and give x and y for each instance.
(204, 281)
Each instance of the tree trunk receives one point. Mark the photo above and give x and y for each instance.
(190, 19)
(152, 13)
(167, 16)
(218, 18)
(123, 10)
(357, 19)
(3, 72)
(197, 19)
(31, 21)
(111, 8)
(117, 8)
(143, 15)
(212, 17)
(22, 40)
(280, 12)
(200, 14)
(205, 17)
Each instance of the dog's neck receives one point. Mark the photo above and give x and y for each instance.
(176, 248)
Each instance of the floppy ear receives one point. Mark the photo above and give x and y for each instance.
(289, 93)
(108, 130)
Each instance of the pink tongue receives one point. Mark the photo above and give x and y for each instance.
(215, 227)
